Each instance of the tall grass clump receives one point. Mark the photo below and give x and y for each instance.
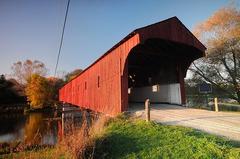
(76, 143)
(80, 143)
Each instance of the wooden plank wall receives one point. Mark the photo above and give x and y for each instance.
(103, 86)
(99, 87)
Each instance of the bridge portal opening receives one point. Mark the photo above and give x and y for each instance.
(156, 70)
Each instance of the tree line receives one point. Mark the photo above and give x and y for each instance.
(31, 85)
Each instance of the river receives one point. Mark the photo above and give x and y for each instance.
(38, 128)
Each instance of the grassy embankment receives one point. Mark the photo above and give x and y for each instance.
(125, 137)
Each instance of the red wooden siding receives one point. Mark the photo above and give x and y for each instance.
(84, 90)
(171, 29)
(102, 87)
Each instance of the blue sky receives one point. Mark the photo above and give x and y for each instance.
(31, 29)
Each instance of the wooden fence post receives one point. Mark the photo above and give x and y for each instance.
(63, 120)
(147, 109)
(216, 104)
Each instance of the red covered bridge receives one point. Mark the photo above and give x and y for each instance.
(151, 62)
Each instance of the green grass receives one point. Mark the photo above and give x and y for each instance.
(130, 138)
(135, 139)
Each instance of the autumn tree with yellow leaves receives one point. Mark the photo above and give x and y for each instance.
(42, 92)
(38, 91)
(221, 66)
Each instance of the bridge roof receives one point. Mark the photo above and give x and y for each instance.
(171, 29)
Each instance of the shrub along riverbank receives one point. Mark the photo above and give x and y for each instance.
(125, 137)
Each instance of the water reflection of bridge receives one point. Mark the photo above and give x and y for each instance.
(41, 128)
(73, 117)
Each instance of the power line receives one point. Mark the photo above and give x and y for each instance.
(63, 30)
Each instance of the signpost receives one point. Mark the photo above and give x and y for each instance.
(205, 88)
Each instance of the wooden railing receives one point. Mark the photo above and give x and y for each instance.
(18, 107)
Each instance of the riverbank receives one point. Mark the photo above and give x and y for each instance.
(126, 137)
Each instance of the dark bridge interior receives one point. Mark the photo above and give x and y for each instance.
(156, 69)
(157, 61)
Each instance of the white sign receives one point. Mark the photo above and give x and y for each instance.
(155, 88)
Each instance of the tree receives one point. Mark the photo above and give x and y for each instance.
(73, 74)
(42, 92)
(221, 66)
(55, 84)
(38, 91)
(5, 92)
(23, 70)
(10, 91)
